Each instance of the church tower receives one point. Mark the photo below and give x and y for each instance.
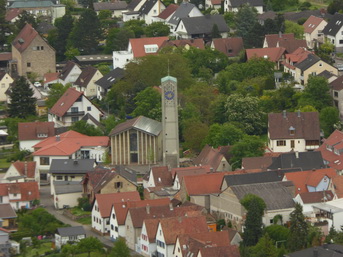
(170, 122)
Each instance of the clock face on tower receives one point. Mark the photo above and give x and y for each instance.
(169, 95)
(169, 92)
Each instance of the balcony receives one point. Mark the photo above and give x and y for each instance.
(69, 114)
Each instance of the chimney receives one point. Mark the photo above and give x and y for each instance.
(58, 138)
(25, 168)
(297, 154)
(284, 114)
(315, 252)
(171, 206)
(147, 209)
(299, 114)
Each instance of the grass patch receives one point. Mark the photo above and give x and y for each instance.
(78, 212)
(43, 248)
(4, 164)
(85, 221)
(85, 217)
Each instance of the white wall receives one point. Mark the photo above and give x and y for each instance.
(72, 76)
(299, 146)
(121, 58)
(66, 199)
(28, 144)
(4, 85)
(59, 241)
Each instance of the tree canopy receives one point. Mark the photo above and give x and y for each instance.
(298, 229)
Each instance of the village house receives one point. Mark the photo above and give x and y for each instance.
(105, 83)
(231, 46)
(12, 14)
(336, 91)
(216, 158)
(294, 58)
(69, 234)
(333, 31)
(70, 72)
(145, 10)
(313, 30)
(5, 82)
(136, 141)
(21, 172)
(184, 43)
(293, 131)
(273, 54)
(166, 14)
(235, 5)
(49, 79)
(102, 209)
(331, 211)
(117, 8)
(31, 133)
(8, 217)
(86, 81)
(72, 107)
(215, 4)
(31, 53)
(287, 41)
(179, 173)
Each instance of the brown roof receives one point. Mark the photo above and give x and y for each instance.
(24, 38)
(273, 54)
(5, 56)
(12, 13)
(26, 168)
(337, 84)
(312, 23)
(288, 41)
(190, 171)
(105, 201)
(306, 125)
(273, 39)
(338, 184)
(174, 226)
(6, 211)
(31, 130)
(86, 76)
(227, 251)
(67, 69)
(29, 190)
(327, 149)
(98, 178)
(204, 184)
(162, 176)
(211, 156)
(262, 162)
(197, 43)
(65, 102)
(51, 76)
(168, 11)
(151, 226)
(317, 197)
(137, 45)
(229, 46)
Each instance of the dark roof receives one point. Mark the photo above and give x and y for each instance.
(132, 5)
(276, 195)
(71, 231)
(110, 78)
(204, 24)
(67, 69)
(305, 125)
(117, 5)
(238, 3)
(334, 25)
(86, 76)
(305, 160)
(252, 178)
(81, 166)
(44, 27)
(182, 12)
(337, 84)
(88, 116)
(295, 16)
(127, 173)
(326, 250)
(326, 74)
(229, 46)
(212, 156)
(67, 187)
(308, 62)
(147, 6)
(6, 211)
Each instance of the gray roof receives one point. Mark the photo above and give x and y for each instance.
(182, 12)
(79, 166)
(204, 24)
(67, 187)
(89, 116)
(127, 173)
(252, 178)
(110, 78)
(141, 123)
(238, 3)
(326, 250)
(71, 231)
(6, 211)
(33, 4)
(118, 5)
(94, 58)
(132, 5)
(334, 25)
(275, 194)
(308, 62)
(147, 6)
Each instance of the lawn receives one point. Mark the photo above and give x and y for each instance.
(85, 217)
(4, 164)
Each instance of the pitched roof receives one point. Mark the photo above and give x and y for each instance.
(51, 76)
(86, 76)
(168, 11)
(6, 211)
(81, 166)
(312, 23)
(211, 156)
(65, 102)
(71, 231)
(28, 190)
(196, 42)
(231, 47)
(274, 54)
(5, 56)
(24, 38)
(138, 45)
(276, 195)
(12, 13)
(227, 251)
(151, 226)
(67, 69)
(181, 12)
(204, 24)
(117, 5)
(338, 185)
(174, 226)
(140, 123)
(190, 171)
(147, 6)
(25, 168)
(203, 184)
(105, 201)
(287, 41)
(110, 78)
(262, 162)
(303, 179)
(32, 4)
(308, 62)
(326, 250)
(304, 125)
(334, 25)
(316, 197)
(273, 39)
(337, 84)
(239, 3)
(132, 5)
(162, 176)
(35, 130)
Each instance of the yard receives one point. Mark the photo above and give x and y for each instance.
(83, 217)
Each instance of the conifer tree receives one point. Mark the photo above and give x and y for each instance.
(298, 230)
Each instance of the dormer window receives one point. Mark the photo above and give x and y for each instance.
(151, 48)
(42, 135)
(292, 131)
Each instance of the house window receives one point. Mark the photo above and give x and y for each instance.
(116, 229)
(74, 119)
(44, 161)
(28, 64)
(113, 216)
(89, 108)
(3, 85)
(313, 73)
(85, 154)
(335, 93)
(14, 195)
(281, 143)
(59, 177)
(118, 185)
(42, 48)
(74, 109)
(112, 227)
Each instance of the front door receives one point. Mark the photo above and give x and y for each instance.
(292, 143)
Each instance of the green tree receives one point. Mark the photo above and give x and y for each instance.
(118, 39)
(295, 28)
(120, 249)
(329, 116)
(220, 135)
(278, 233)
(23, 18)
(194, 132)
(69, 250)
(298, 230)
(215, 32)
(87, 28)
(23, 103)
(89, 245)
(137, 26)
(335, 6)
(157, 29)
(148, 104)
(71, 52)
(83, 127)
(255, 207)
(55, 93)
(325, 50)
(315, 236)
(249, 146)
(264, 248)
(64, 27)
(246, 18)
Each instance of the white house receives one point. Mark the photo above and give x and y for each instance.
(5, 81)
(86, 81)
(69, 74)
(234, 5)
(332, 212)
(21, 172)
(306, 200)
(333, 31)
(68, 235)
(148, 237)
(313, 30)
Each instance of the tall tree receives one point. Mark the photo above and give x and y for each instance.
(120, 249)
(64, 27)
(87, 32)
(264, 248)
(298, 229)
(226, 134)
(246, 18)
(90, 244)
(23, 18)
(295, 28)
(157, 29)
(22, 100)
(329, 116)
(148, 104)
(118, 39)
(253, 223)
(83, 127)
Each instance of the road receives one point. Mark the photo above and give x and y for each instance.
(47, 201)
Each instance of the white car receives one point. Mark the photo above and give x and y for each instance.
(37, 84)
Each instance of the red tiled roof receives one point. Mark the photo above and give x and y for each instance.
(68, 143)
(338, 183)
(48, 77)
(288, 41)
(216, 2)
(168, 11)
(12, 13)
(337, 84)
(25, 168)
(210, 156)
(335, 139)
(273, 39)
(190, 171)
(273, 54)
(229, 46)
(65, 102)
(317, 197)
(151, 226)
(162, 176)
(262, 162)
(204, 184)
(105, 201)
(227, 251)
(297, 56)
(30, 130)
(5, 56)
(29, 190)
(312, 23)
(302, 179)
(24, 38)
(197, 43)
(137, 44)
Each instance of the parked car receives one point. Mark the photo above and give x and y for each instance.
(37, 84)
